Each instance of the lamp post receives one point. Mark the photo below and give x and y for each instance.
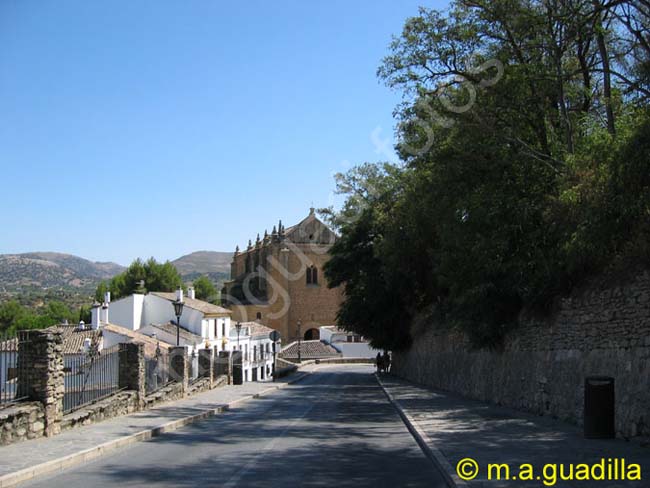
(238, 327)
(299, 340)
(178, 310)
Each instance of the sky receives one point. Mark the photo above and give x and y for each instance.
(158, 128)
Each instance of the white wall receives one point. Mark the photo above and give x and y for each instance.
(355, 349)
(157, 310)
(127, 312)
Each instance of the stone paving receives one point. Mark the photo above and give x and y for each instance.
(461, 428)
(15, 457)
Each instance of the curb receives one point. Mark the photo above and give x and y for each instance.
(56, 465)
(426, 444)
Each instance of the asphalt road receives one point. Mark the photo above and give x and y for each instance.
(335, 428)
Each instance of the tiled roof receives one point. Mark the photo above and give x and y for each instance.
(257, 329)
(150, 344)
(309, 350)
(200, 305)
(73, 338)
(184, 333)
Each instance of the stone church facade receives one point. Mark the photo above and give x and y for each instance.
(278, 280)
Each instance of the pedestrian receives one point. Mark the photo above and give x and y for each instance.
(386, 361)
(378, 362)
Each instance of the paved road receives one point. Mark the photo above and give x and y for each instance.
(334, 428)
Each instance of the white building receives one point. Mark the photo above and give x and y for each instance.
(349, 344)
(256, 345)
(202, 325)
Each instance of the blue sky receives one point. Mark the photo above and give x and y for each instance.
(156, 128)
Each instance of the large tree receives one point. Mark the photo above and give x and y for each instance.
(523, 137)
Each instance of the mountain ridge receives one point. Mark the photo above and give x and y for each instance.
(45, 269)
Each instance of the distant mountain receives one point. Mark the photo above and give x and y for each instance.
(209, 263)
(52, 270)
(37, 273)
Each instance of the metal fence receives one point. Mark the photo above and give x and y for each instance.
(156, 372)
(90, 376)
(193, 362)
(10, 369)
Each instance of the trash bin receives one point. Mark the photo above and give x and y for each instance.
(599, 407)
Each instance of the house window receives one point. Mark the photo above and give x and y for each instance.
(312, 275)
(223, 328)
(259, 315)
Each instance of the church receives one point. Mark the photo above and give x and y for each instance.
(278, 280)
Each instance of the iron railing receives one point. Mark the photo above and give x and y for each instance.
(156, 372)
(90, 376)
(11, 369)
(194, 367)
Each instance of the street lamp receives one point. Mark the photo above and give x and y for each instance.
(178, 310)
(238, 327)
(299, 340)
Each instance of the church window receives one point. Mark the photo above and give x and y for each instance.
(312, 275)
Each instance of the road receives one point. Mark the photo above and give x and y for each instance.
(334, 428)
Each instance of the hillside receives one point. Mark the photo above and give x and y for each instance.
(209, 263)
(37, 278)
(51, 270)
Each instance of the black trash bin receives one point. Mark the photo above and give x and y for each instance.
(599, 407)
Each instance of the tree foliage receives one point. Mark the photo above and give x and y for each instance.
(524, 137)
(205, 289)
(15, 317)
(141, 277)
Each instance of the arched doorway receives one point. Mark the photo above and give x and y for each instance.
(312, 335)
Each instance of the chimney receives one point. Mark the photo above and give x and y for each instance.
(107, 297)
(82, 325)
(179, 295)
(103, 316)
(190, 293)
(95, 315)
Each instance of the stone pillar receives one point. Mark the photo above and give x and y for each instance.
(42, 379)
(237, 368)
(132, 369)
(223, 365)
(179, 367)
(206, 364)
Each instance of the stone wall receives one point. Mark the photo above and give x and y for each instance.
(603, 329)
(122, 403)
(22, 421)
(42, 381)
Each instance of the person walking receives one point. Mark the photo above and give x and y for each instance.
(386, 361)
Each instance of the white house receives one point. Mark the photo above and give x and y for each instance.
(254, 340)
(202, 325)
(349, 344)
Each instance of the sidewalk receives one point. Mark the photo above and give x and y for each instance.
(25, 460)
(454, 428)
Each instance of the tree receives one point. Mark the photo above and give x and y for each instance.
(205, 289)
(525, 142)
(155, 276)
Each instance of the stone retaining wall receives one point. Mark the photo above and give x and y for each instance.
(122, 403)
(22, 421)
(602, 330)
(44, 383)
